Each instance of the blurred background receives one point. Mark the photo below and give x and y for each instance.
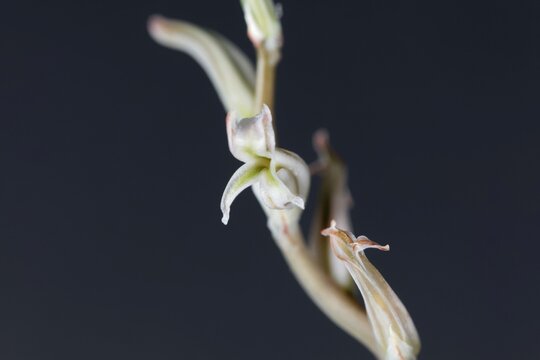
(113, 159)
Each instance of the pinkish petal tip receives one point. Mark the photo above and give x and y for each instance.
(363, 243)
(154, 23)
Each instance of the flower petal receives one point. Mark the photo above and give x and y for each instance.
(286, 172)
(284, 187)
(392, 325)
(229, 69)
(284, 159)
(243, 178)
(251, 138)
(274, 193)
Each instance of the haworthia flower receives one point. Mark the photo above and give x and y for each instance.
(392, 326)
(280, 178)
(230, 71)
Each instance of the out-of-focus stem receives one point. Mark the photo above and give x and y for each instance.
(266, 79)
(342, 309)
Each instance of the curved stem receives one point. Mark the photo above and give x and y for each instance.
(343, 310)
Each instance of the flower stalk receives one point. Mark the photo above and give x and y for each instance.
(264, 31)
(265, 81)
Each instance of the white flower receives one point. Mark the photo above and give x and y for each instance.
(229, 69)
(392, 326)
(279, 177)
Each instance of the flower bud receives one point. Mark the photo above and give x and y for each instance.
(264, 27)
(230, 71)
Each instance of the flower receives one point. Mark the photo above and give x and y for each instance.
(229, 69)
(279, 177)
(392, 326)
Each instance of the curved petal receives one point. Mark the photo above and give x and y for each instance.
(229, 69)
(253, 137)
(242, 63)
(284, 159)
(274, 193)
(243, 178)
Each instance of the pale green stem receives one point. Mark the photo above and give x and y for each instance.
(265, 81)
(341, 308)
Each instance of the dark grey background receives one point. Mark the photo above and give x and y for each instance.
(113, 159)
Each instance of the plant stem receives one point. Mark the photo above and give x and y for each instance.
(342, 309)
(266, 79)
